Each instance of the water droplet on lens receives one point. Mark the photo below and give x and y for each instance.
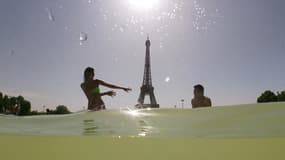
(105, 17)
(50, 14)
(122, 29)
(167, 79)
(67, 28)
(12, 52)
(161, 45)
(83, 37)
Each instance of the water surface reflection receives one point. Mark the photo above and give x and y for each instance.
(89, 127)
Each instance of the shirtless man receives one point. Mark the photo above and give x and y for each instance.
(199, 99)
(90, 87)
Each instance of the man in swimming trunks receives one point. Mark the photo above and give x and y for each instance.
(90, 87)
(199, 99)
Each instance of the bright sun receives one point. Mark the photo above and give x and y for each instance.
(143, 4)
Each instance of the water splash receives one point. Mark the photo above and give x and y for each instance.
(139, 22)
(204, 18)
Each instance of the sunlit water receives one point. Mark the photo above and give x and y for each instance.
(264, 120)
(254, 132)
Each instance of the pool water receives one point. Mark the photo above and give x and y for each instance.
(234, 132)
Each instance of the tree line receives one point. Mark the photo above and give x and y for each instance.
(14, 105)
(270, 96)
(20, 106)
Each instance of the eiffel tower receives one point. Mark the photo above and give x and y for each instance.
(147, 88)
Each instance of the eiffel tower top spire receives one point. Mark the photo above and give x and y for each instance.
(147, 70)
(147, 42)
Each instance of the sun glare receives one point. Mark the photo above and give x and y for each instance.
(143, 4)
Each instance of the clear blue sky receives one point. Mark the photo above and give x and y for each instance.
(235, 48)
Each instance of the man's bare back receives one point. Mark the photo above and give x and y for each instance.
(201, 102)
(199, 99)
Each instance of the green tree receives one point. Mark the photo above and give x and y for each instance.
(267, 96)
(6, 104)
(25, 107)
(13, 104)
(1, 102)
(61, 109)
(13, 101)
(281, 96)
(20, 99)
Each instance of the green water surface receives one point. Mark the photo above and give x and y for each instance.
(236, 132)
